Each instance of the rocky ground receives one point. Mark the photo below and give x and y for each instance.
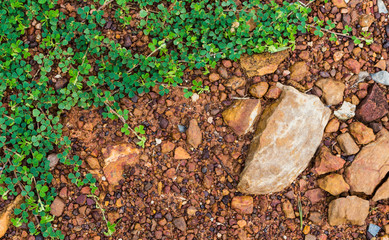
(184, 183)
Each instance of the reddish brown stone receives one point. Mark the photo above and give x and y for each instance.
(374, 106)
(353, 65)
(315, 195)
(327, 162)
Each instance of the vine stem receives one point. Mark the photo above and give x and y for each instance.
(155, 50)
(336, 33)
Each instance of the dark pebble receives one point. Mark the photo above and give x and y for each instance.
(386, 44)
(39, 237)
(163, 122)
(225, 200)
(324, 74)
(127, 41)
(387, 30)
(134, 99)
(204, 170)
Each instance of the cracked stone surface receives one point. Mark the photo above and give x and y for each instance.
(276, 156)
(370, 165)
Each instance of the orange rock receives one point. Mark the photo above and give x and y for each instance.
(259, 90)
(361, 133)
(332, 126)
(181, 153)
(263, 63)
(243, 204)
(334, 184)
(299, 71)
(327, 162)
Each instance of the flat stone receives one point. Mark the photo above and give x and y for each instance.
(193, 134)
(382, 192)
(167, 147)
(332, 126)
(299, 71)
(57, 207)
(339, 3)
(382, 7)
(332, 90)
(374, 106)
(258, 90)
(334, 184)
(353, 65)
(346, 111)
(327, 162)
(181, 153)
(315, 195)
(243, 204)
(361, 133)
(276, 156)
(347, 144)
(180, 224)
(370, 166)
(263, 63)
(316, 218)
(366, 20)
(349, 210)
(93, 162)
(235, 82)
(116, 158)
(381, 77)
(242, 115)
(287, 208)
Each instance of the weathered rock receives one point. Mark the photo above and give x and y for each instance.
(57, 207)
(167, 147)
(181, 153)
(316, 218)
(370, 165)
(315, 195)
(373, 106)
(259, 90)
(332, 126)
(338, 54)
(243, 204)
(346, 111)
(180, 224)
(381, 77)
(287, 208)
(116, 158)
(263, 63)
(242, 115)
(349, 210)
(332, 90)
(53, 159)
(213, 77)
(93, 162)
(334, 184)
(366, 20)
(274, 92)
(276, 156)
(327, 162)
(299, 71)
(193, 134)
(347, 144)
(339, 3)
(235, 82)
(361, 133)
(353, 65)
(382, 192)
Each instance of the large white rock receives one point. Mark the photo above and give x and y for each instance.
(287, 136)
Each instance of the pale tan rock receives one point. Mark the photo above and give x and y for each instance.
(57, 207)
(193, 134)
(361, 133)
(242, 115)
(287, 208)
(276, 156)
(332, 90)
(116, 158)
(370, 166)
(93, 162)
(347, 144)
(263, 63)
(7, 214)
(334, 184)
(349, 210)
(382, 192)
(338, 55)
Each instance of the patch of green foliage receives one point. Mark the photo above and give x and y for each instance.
(183, 34)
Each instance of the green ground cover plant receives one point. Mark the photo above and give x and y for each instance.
(183, 34)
